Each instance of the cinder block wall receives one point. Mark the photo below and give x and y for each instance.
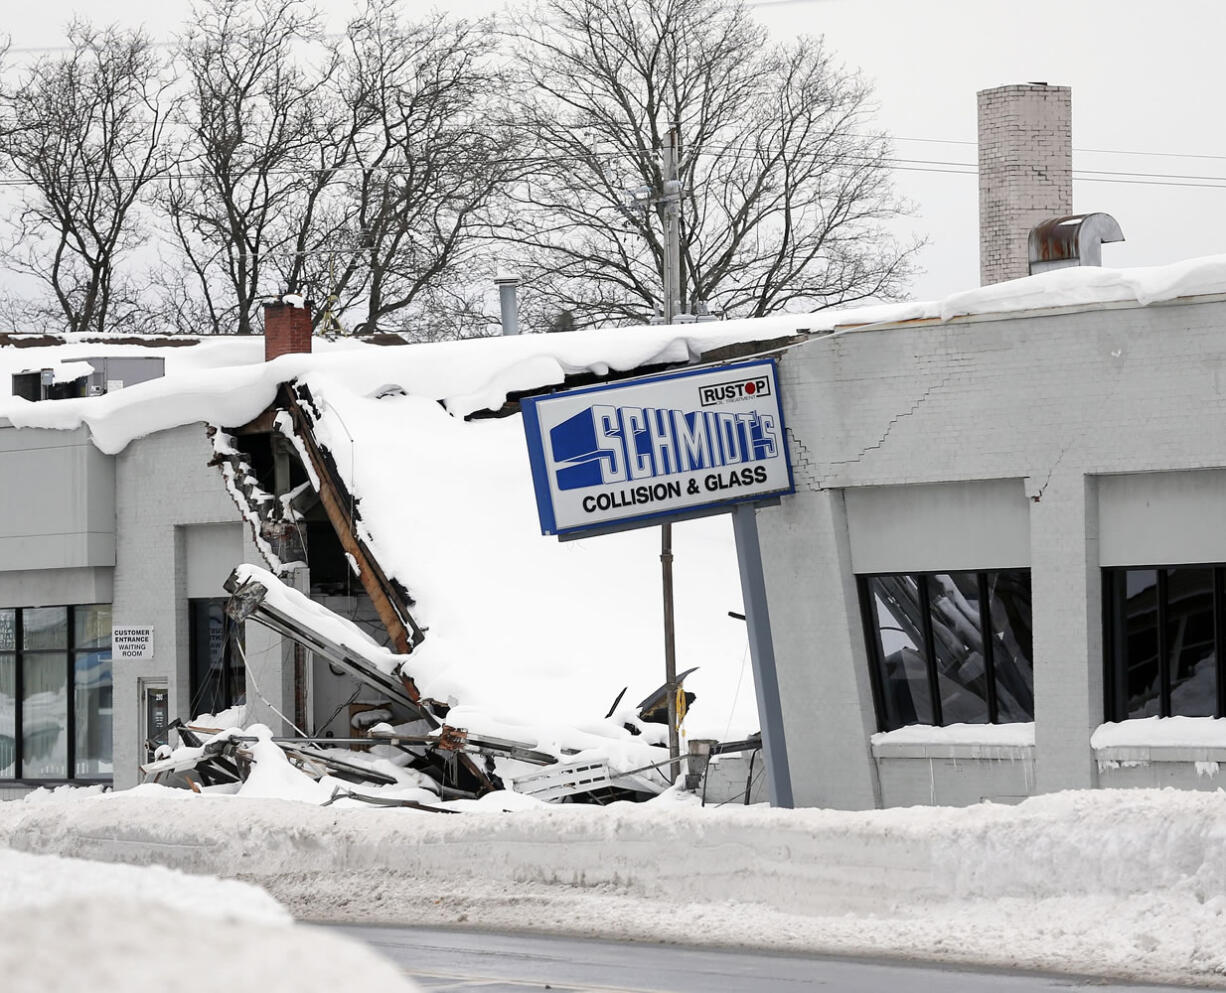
(165, 485)
(1055, 402)
(1025, 171)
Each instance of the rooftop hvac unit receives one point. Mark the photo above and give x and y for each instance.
(87, 377)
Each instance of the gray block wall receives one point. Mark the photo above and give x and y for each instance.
(177, 528)
(57, 501)
(1116, 415)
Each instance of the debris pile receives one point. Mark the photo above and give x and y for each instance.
(422, 753)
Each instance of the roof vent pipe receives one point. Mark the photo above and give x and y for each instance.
(1074, 240)
(508, 302)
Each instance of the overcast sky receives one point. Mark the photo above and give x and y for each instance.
(1147, 77)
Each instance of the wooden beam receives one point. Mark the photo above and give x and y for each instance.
(388, 602)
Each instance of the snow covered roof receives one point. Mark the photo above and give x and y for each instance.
(225, 381)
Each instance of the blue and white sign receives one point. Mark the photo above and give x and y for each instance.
(657, 447)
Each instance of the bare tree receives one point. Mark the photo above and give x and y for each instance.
(785, 184)
(404, 229)
(264, 143)
(83, 134)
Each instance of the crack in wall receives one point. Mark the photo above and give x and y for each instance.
(895, 420)
(1105, 402)
(1038, 495)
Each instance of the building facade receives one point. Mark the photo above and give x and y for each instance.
(1014, 523)
(90, 543)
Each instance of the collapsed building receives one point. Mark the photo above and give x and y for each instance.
(239, 533)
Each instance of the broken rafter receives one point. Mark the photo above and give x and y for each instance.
(388, 599)
(384, 801)
(446, 739)
(349, 771)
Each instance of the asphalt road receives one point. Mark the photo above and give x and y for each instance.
(443, 960)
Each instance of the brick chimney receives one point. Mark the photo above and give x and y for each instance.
(287, 327)
(1025, 171)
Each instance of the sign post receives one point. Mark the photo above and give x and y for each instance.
(762, 655)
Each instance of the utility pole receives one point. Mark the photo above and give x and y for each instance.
(673, 294)
(671, 200)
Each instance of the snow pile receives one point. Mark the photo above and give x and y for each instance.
(67, 924)
(67, 372)
(532, 636)
(225, 381)
(1015, 735)
(1084, 286)
(1122, 883)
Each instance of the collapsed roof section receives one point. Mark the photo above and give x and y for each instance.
(257, 594)
(442, 752)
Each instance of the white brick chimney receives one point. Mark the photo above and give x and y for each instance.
(1025, 171)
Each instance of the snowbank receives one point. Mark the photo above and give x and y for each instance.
(1121, 883)
(67, 924)
(120, 946)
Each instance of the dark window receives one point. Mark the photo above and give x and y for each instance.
(1161, 630)
(218, 675)
(950, 648)
(55, 692)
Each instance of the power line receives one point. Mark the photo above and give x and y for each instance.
(953, 168)
(899, 163)
(1086, 151)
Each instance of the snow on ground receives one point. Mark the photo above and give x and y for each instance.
(1127, 884)
(67, 924)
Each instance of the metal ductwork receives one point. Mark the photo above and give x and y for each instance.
(1071, 241)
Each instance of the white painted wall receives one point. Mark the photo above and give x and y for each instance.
(57, 501)
(212, 551)
(939, 526)
(1065, 441)
(1162, 518)
(177, 528)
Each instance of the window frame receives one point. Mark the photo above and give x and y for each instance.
(923, 581)
(1114, 678)
(233, 694)
(70, 652)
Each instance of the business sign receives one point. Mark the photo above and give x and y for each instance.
(131, 642)
(657, 447)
